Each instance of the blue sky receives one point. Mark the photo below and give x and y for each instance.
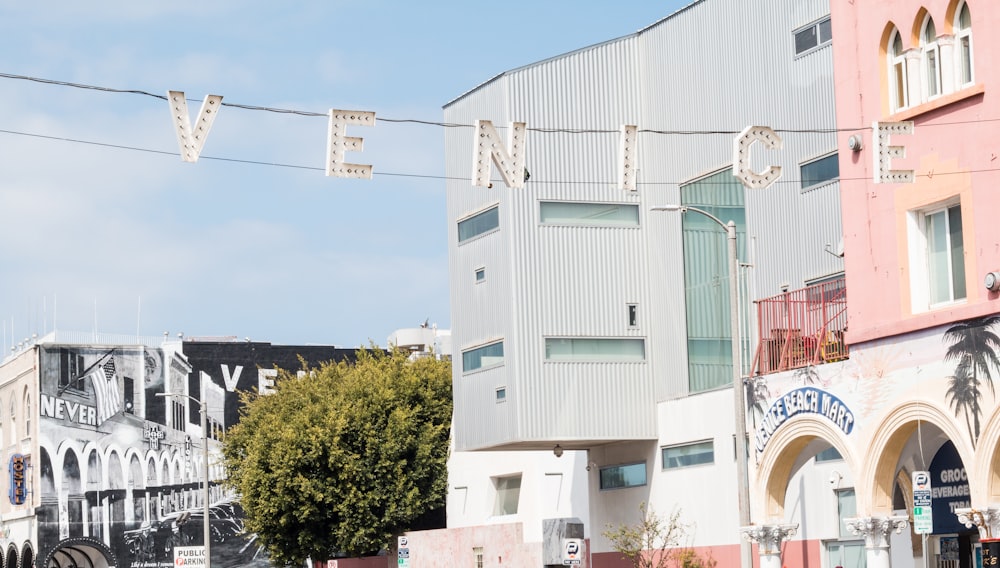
(253, 240)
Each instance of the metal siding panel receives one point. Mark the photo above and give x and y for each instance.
(680, 74)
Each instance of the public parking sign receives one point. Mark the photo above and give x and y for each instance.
(189, 556)
(923, 521)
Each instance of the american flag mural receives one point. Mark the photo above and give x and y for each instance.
(109, 395)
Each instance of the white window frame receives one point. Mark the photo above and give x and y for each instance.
(920, 270)
(963, 36)
(930, 59)
(476, 275)
(898, 73)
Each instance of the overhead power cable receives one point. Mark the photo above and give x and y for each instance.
(540, 130)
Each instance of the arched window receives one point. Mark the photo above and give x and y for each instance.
(27, 414)
(963, 40)
(931, 57)
(897, 73)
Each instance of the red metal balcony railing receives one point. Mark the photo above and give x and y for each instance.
(802, 327)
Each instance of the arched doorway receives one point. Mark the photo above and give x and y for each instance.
(80, 553)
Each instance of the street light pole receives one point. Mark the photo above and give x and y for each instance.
(739, 392)
(205, 490)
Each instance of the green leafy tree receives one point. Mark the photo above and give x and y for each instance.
(339, 460)
(656, 542)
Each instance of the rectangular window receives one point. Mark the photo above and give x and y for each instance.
(479, 224)
(508, 495)
(594, 349)
(621, 476)
(501, 394)
(814, 35)
(817, 172)
(706, 278)
(633, 315)
(480, 275)
(485, 356)
(945, 254)
(689, 454)
(847, 508)
(829, 454)
(589, 214)
(477, 553)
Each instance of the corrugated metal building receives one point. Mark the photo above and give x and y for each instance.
(581, 318)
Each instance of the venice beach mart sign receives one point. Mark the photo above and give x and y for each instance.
(804, 400)
(510, 159)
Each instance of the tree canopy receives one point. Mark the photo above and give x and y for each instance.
(339, 459)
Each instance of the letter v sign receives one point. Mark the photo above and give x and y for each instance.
(191, 142)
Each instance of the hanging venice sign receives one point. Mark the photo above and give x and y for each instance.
(804, 400)
(510, 158)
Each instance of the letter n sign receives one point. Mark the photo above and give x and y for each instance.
(18, 487)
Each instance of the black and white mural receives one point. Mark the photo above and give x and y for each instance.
(121, 449)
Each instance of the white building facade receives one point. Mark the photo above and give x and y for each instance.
(586, 324)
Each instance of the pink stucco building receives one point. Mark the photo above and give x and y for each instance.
(917, 252)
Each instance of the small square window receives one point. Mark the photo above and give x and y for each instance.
(501, 394)
(812, 36)
(480, 275)
(815, 173)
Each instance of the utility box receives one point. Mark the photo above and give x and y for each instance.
(563, 543)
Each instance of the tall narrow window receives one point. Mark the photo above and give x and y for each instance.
(897, 73)
(931, 56)
(706, 277)
(945, 254)
(477, 552)
(963, 39)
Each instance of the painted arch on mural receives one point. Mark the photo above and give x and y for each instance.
(81, 552)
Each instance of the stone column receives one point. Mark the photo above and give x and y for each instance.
(876, 531)
(986, 520)
(949, 74)
(769, 539)
(914, 83)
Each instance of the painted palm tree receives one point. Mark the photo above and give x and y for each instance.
(974, 345)
(963, 395)
(807, 375)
